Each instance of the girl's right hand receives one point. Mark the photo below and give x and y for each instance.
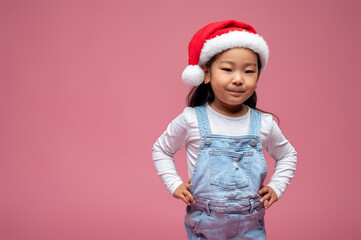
(183, 192)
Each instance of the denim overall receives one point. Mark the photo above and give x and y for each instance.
(225, 183)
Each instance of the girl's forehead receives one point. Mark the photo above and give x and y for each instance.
(238, 54)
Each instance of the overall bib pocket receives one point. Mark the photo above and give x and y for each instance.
(230, 170)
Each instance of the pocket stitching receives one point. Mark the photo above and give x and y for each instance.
(257, 221)
(196, 227)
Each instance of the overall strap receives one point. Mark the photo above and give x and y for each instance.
(255, 123)
(203, 122)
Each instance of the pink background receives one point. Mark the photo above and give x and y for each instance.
(86, 88)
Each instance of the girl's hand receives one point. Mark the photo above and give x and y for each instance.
(183, 192)
(268, 194)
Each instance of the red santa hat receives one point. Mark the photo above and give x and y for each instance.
(217, 37)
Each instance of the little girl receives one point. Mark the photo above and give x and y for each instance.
(225, 134)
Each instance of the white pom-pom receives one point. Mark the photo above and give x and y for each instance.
(193, 75)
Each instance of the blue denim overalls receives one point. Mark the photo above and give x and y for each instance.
(225, 183)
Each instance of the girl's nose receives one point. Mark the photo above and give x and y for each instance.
(238, 79)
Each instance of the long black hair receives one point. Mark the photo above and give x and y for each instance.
(203, 93)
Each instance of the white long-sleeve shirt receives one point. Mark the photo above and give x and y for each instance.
(184, 131)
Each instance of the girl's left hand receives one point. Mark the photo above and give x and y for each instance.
(268, 194)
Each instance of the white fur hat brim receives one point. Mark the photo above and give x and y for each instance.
(235, 39)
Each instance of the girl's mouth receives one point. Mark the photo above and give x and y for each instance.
(235, 93)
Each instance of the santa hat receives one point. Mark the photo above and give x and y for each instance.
(216, 38)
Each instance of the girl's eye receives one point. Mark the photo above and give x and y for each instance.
(227, 69)
(250, 71)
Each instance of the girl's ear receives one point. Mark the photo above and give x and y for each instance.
(207, 75)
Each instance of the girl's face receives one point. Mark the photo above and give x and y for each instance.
(233, 77)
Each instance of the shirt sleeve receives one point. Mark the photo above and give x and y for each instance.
(166, 146)
(285, 158)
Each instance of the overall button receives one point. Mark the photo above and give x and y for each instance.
(208, 141)
(253, 143)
